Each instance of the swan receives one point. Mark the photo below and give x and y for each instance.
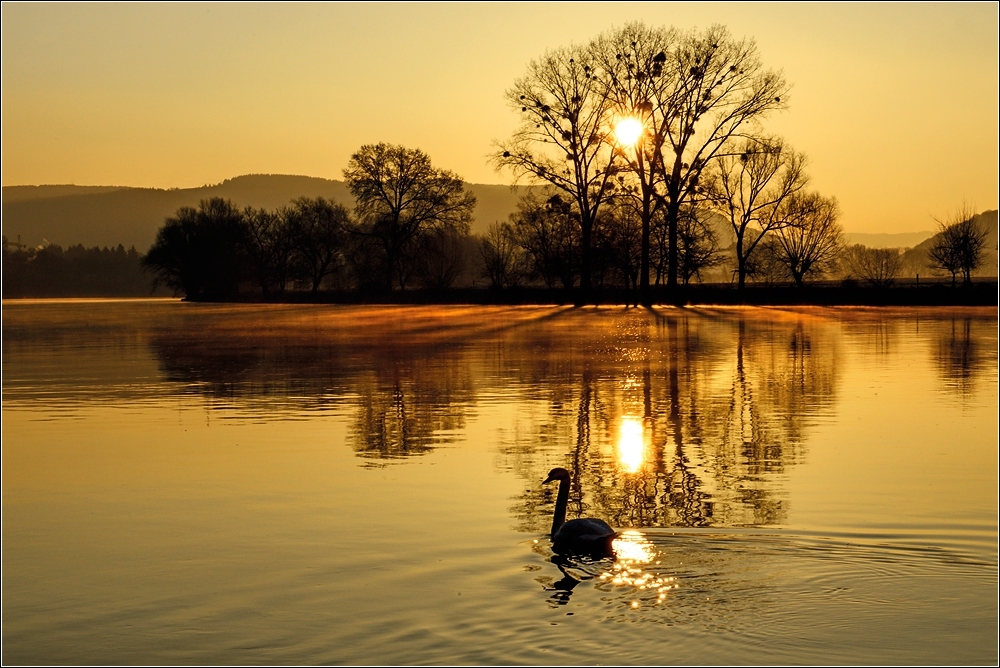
(587, 535)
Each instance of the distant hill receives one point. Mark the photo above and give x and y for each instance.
(903, 240)
(109, 215)
(915, 259)
(24, 193)
(112, 215)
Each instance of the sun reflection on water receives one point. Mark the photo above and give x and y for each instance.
(631, 445)
(634, 552)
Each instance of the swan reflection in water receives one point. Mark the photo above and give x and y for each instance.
(627, 572)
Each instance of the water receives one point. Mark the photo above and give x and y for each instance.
(189, 483)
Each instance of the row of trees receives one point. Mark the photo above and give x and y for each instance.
(649, 133)
(649, 141)
(541, 244)
(410, 221)
(49, 270)
(688, 102)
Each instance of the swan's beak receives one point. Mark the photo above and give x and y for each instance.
(548, 480)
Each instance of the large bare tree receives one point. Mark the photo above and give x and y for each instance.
(398, 196)
(720, 91)
(563, 138)
(750, 186)
(632, 66)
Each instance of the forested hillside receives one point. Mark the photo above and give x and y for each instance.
(108, 216)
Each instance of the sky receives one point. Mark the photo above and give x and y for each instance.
(895, 105)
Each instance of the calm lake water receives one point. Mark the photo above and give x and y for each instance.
(188, 483)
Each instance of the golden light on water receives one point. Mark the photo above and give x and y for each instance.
(628, 131)
(632, 546)
(631, 445)
(633, 550)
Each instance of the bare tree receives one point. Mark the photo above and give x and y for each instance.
(563, 137)
(694, 93)
(697, 245)
(813, 238)
(621, 229)
(398, 196)
(878, 267)
(320, 230)
(441, 258)
(959, 245)
(720, 91)
(503, 260)
(548, 232)
(749, 188)
(269, 245)
(765, 267)
(631, 64)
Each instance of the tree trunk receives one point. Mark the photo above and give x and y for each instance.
(586, 227)
(673, 210)
(647, 196)
(741, 264)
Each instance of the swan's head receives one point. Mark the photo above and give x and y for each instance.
(557, 474)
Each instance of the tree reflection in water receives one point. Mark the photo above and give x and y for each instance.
(665, 417)
(960, 356)
(421, 405)
(684, 419)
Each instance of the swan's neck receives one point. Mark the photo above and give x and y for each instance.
(560, 515)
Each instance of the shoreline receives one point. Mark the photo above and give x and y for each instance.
(980, 293)
(983, 292)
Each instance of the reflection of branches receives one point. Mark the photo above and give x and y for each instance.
(409, 381)
(721, 416)
(718, 402)
(383, 429)
(959, 356)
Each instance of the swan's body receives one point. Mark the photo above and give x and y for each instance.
(589, 536)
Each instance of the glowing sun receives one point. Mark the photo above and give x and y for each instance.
(628, 131)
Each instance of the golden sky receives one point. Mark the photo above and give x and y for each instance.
(895, 104)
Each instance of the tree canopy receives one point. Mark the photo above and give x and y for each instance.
(399, 196)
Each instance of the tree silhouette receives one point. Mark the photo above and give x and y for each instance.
(399, 196)
(563, 139)
(719, 87)
(621, 231)
(200, 252)
(632, 63)
(548, 233)
(959, 246)
(319, 229)
(749, 188)
(441, 257)
(503, 261)
(269, 245)
(697, 245)
(813, 239)
(878, 267)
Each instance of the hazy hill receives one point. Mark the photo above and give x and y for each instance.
(112, 215)
(108, 215)
(902, 240)
(915, 259)
(22, 193)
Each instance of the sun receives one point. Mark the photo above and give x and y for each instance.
(628, 131)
